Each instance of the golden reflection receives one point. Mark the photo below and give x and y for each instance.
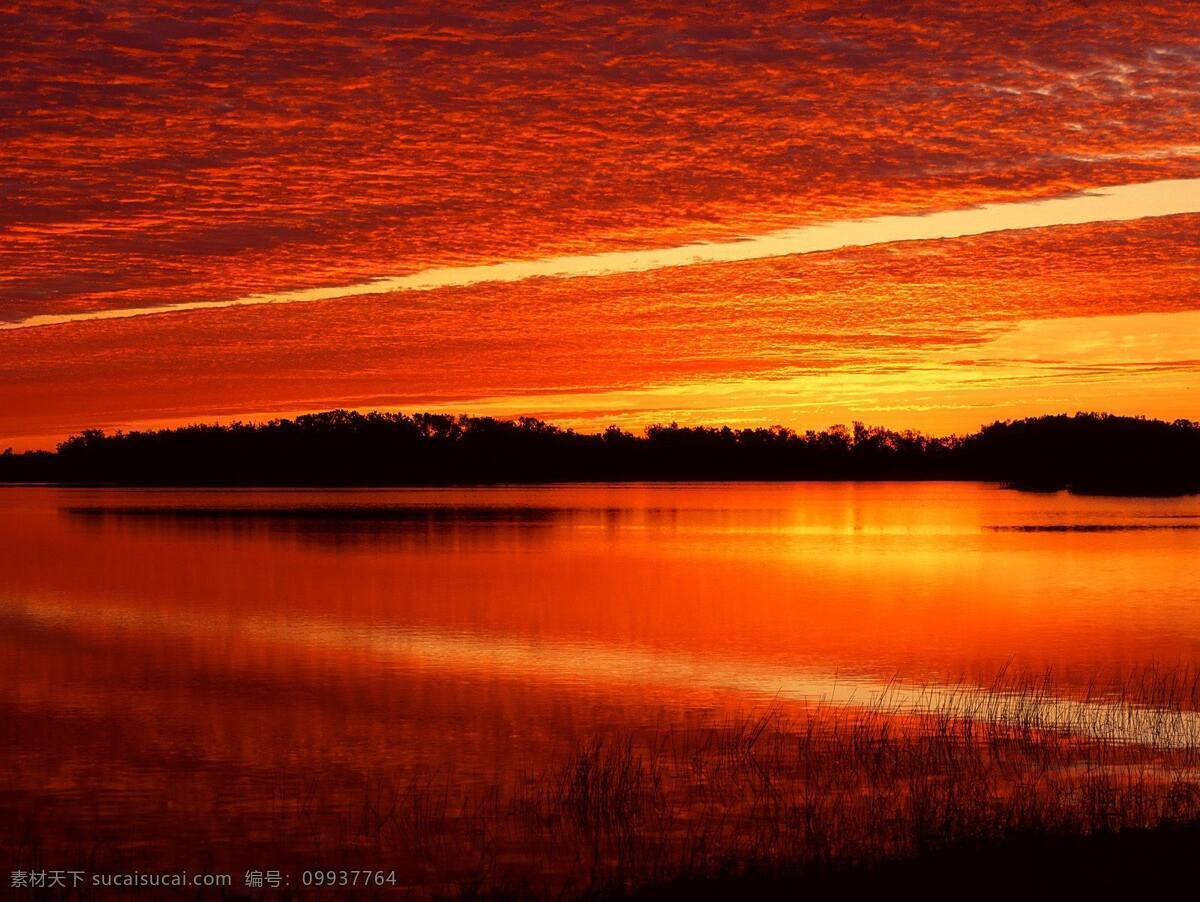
(186, 669)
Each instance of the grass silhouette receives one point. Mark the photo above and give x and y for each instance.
(1019, 776)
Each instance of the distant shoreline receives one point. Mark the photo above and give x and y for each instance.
(1084, 453)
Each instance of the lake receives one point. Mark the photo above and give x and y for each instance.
(183, 671)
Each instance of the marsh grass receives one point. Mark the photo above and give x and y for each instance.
(789, 787)
(805, 787)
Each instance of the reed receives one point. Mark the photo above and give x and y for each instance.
(797, 789)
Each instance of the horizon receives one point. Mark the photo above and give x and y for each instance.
(850, 426)
(1084, 454)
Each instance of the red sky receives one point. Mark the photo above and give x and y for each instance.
(174, 153)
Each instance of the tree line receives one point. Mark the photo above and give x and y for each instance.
(1086, 452)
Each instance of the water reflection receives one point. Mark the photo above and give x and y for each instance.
(168, 657)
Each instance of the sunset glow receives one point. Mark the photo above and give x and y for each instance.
(803, 213)
(1117, 204)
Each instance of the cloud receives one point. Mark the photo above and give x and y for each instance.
(178, 154)
(162, 156)
(1114, 204)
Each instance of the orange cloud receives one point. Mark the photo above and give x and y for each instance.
(198, 152)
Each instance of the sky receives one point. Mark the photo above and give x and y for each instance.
(920, 215)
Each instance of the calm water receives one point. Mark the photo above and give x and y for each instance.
(173, 659)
